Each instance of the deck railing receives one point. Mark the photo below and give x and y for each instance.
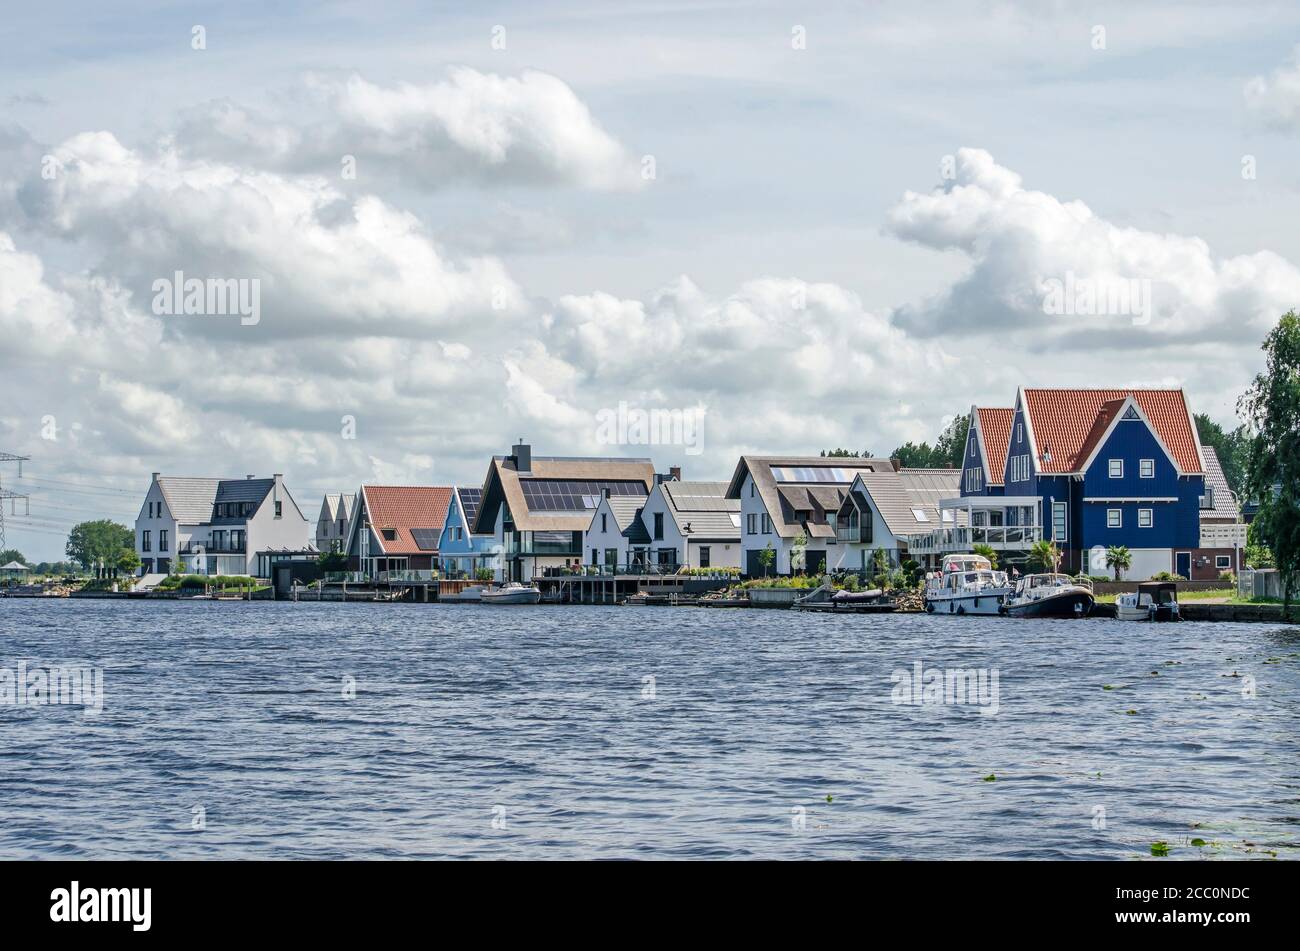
(961, 538)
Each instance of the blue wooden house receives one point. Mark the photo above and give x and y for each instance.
(1086, 469)
(460, 551)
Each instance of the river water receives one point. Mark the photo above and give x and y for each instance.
(282, 730)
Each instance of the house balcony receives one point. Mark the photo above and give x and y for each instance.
(969, 519)
(206, 547)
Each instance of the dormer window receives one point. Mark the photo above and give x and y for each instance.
(390, 534)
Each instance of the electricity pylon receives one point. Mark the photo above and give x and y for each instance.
(13, 497)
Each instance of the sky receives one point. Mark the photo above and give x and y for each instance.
(796, 226)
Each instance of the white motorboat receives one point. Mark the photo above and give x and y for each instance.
(1050, 595)
(1152, 601)
(967, 585)
(512, 593)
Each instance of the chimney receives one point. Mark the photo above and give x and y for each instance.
(156, 475)
(605, 492)
(896, 463)
(279, 477)
(523, 456)
(248, 476)
(675, 472)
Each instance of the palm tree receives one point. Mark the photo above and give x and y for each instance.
(1119, 558)
(1044, 556)
(987, 551)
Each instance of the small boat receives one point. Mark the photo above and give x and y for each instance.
(1152, 601)
(826, 598)
(1050, 595)
(967, 585)
(512, 593)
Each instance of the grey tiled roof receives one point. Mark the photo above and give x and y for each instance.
(774, 493)
(627, 515)
(1224, 507)
(897, 494)
(704, 508)
(189, 499)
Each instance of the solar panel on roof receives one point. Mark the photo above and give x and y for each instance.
(573, 495)
(426, 539)
(831, 474)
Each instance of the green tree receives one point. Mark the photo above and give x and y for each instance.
(950, 450)
(987, 551)
(332, 561)
(1232, 448)
(1272, 409)
(846, 453)
(11, 554)
(91, 544)
(1119, 558)
(912, 456)
(1043, 557)
(127, 561)
(766, 558)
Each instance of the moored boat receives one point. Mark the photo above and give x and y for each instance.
(512, 592)
(966, 585)
(1152, 601)
(1050, 595)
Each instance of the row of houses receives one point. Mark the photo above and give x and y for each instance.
(1085, 469)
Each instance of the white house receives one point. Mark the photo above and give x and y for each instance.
(617, 539)
(881, 509)
(692, 524)
(334, 520)
(538, 507)
(784, 498)
(218, 526)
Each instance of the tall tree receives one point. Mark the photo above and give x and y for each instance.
(11, 554)
(1232, 448)
(101, 541)
(1272, 408)
(949, 450)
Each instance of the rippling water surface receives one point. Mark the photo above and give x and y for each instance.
(543, 719)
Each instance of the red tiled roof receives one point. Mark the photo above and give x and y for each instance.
(995, 427)
(1069, 423)
(402, 508)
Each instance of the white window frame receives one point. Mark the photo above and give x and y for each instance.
(1113, 463)
(1118, 521)
(1222, 562)
(1020, 433)
(1146, 468)
(1149, 515)
(1065, 522)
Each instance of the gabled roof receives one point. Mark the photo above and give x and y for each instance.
(14, 566)
(469, 501)
(703, 506)
(778, 503)
(405, 509)
(1071, 423)
(504, 483)
(993, 423)
(189, 500)
(626, 510)
(1225, 507)
(338, 505)
(252, 491)
(897, 494)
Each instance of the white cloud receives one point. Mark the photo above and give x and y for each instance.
(1019, 241)
(526, 129)
(1275, 98)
